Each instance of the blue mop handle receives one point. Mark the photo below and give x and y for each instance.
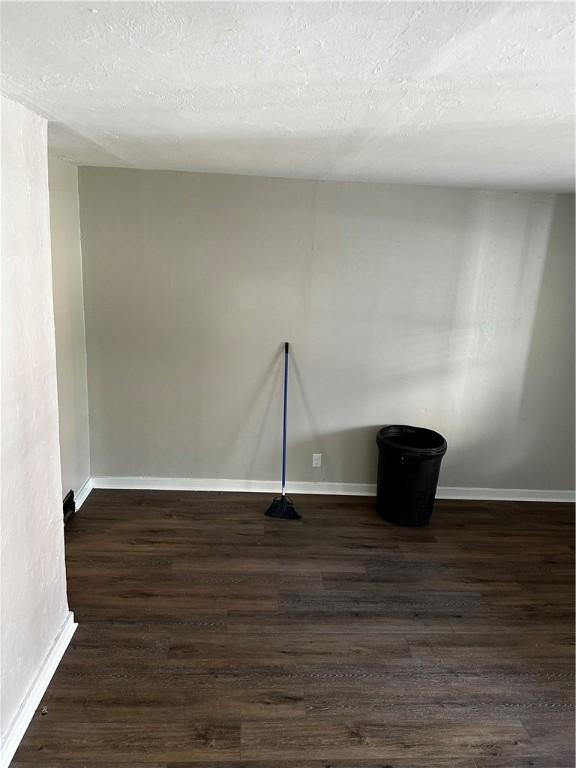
(284, 427)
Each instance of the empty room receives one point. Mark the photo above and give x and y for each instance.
(287, 394)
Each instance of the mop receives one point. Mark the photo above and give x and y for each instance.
(282, 506)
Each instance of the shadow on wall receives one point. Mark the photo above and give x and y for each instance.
(549, 426)
(348, 455)
(265, 395)
(514, 381)
(509, 300)
(477, 378)
(502, 345)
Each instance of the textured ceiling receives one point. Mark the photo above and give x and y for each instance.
(474, 94)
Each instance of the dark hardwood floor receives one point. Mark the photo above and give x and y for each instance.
(212, 636)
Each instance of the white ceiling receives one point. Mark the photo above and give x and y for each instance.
(474, 94)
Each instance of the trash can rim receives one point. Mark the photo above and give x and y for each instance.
(391, 435)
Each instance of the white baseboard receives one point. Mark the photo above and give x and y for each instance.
(505, 494)
(184, 484)
(83, 493)
(220, 484)
(35, 693)
(335, 489)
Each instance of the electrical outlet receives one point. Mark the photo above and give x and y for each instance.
(316, 459)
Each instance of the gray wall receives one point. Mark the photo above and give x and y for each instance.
(446, 308)
(32, 577)
(69, 322)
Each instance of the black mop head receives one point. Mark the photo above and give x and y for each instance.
(282, 508)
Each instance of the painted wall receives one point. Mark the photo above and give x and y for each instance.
(446, 308)
(69, 323)
(33, 582)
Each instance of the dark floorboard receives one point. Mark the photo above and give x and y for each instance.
(212, 636)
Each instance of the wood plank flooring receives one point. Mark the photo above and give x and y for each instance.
(212, 636)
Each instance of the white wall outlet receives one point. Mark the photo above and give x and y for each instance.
(316, 459)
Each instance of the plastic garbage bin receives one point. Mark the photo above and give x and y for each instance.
(409, 461)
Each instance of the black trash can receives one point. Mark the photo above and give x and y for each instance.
(409, 461)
